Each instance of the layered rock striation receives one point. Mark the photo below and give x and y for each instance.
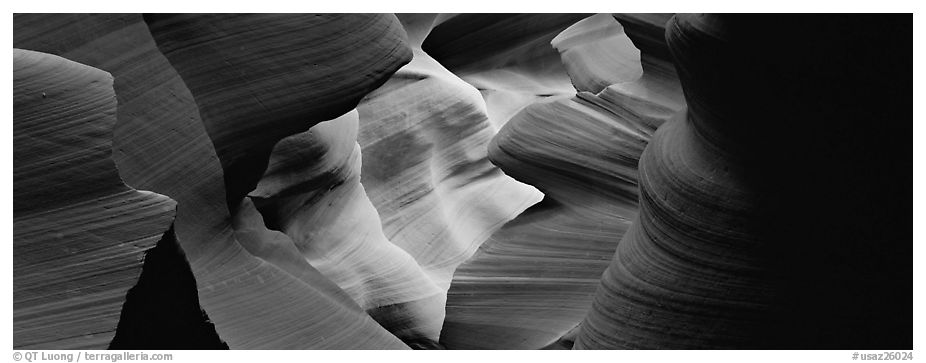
(533, 281)
(290, 71)
(463, 181)
(285, 74)
(79, 233)
(507, 57)
(311, 191)
(756, 220)
(423, 136)
(159, 144)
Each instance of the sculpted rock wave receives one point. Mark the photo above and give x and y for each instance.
(312, 192)
(291, 72)
(534, 279)
(597, 53)
(159, 144)
(284, 74)
(238, 277)
(507, 57)
(462, 181)
(749, 234)
(79, 233)
(424, 136)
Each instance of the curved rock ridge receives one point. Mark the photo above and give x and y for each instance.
(550, 145)
(272, 299)
(312, 192)
(763, 208)
(597, 53)
(159, 144)
(485, 41)
(533, 281)
(278, 249)
(691, 261)
(253, 282)
(79, 233)
(728, 252)
(164, 146)
(711, 288)
(648, 34)
(424, 135)
(290, 71)
(507, 57)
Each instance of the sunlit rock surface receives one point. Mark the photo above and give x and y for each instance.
(79, 233)
(648, 34)
(507, 57)
(311, 191)
(291, 72)
(275, 301)
(424, 136)
(534, 279)
(493, 181)
(597, 53)
(173, 153)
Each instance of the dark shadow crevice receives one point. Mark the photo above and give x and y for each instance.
(162, 310)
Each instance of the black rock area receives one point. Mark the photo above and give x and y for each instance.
(162, 310)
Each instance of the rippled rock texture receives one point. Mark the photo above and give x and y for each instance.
(533, 281)
(79, 233)
(241, 282)
(312, 192)
(461, 181)
(159, 144)
(507, 57)
(752, 234)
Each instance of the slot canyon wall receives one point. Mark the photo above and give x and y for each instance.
(461, 181)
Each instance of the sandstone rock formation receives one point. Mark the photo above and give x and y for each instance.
(461, 181)
(204, 47)
(507, 57)
(597, 53)
(533, 281)
(159, 144)
(291, 72)
(424, 135)
(79, 233)
(214, 253)
(312, 192)
(727, 252)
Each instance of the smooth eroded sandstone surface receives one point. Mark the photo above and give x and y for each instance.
(251, 285)
(290, 71)
(461, 181)
(757, 221)
(159, 144)
(79, 233)
(312, 192)
(534, 279)
(424, 137)
(237, 277)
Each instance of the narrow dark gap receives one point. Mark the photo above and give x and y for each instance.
(423, 344)
(162, 310)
